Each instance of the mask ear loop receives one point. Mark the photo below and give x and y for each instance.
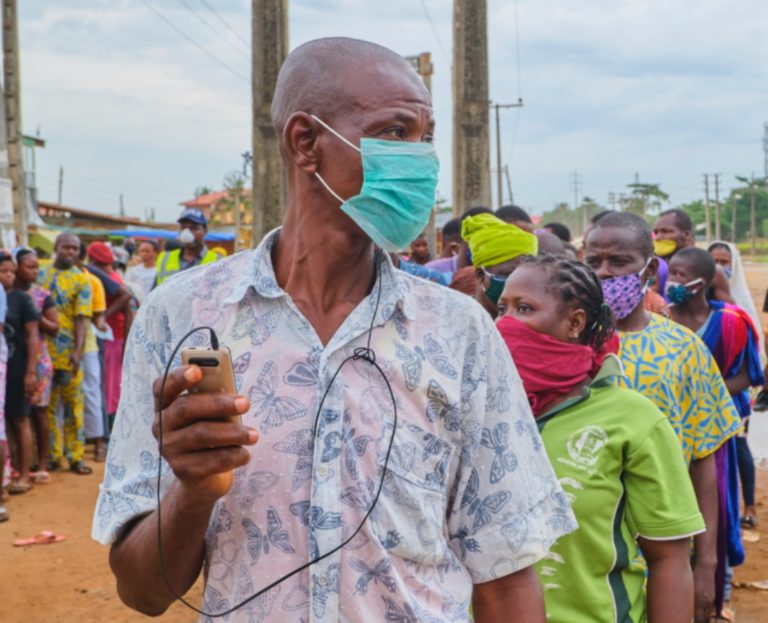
(344, 140)
(648, 283)
(336, 134)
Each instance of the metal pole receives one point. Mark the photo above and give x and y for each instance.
(752, 219)
(499, 173)
(61, 184)
(717, 207)
(707, 215)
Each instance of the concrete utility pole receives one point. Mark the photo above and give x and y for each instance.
(12, 92)
(269, 29)
(499, 171)
(575, 185)
(61, 184)
(423, 66)
(707, 216)
(471, 146)
(717, 206)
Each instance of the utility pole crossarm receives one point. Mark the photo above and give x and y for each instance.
(499, 170)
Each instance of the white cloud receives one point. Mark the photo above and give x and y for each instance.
(667, 89)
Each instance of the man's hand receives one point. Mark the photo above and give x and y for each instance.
(704, 591)
(201, 441)
(74, 360)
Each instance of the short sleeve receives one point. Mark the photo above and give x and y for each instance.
(84, 299)
(29, 311)
(661, 502)
(130, 477)
(716, 418)
(99, 296)
(48, 302)
(508, 507)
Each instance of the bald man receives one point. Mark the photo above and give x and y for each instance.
(380, 462)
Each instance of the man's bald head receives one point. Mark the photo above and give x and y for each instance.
(320, 77)
(67, 247)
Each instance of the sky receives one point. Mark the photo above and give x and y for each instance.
(665, 90)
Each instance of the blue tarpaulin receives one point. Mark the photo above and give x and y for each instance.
(165, 234)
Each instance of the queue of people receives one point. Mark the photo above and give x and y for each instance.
(64, 324)
(518, 426)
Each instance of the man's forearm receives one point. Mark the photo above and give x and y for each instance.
(704, 478)
(135, 559)
(80, 333)
(517, 597)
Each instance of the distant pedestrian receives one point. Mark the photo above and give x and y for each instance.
(21, 333)
(193, 252)
(144, 274)
(72, 294)
(27, 272)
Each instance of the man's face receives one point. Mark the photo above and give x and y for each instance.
(386, 102)
(420, 249)
(147, 253)
(67, 250)
(198, 231)
(613, 252)
(683, 271)
(666, 229)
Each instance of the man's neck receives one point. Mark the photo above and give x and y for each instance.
(326, 270)
(60, 266)
(18, 284)
(637, 320)
(190, 253)
(693, 314)
(149, 264)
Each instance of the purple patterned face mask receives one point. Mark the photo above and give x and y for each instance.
(623, 294)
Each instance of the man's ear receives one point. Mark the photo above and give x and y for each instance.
(299, 142)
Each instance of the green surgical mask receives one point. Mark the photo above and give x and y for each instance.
(495, 287)
(398, 191)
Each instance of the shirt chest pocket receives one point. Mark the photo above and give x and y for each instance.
(409, 519)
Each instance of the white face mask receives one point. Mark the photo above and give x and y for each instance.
(186, 237)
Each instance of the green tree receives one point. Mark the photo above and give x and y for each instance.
(645, 199)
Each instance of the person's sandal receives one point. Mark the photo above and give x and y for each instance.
(80, 468)
(18, 488)
(749, 522)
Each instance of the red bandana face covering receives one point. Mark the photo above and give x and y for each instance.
(548, 367)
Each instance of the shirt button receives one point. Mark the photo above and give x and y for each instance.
(322, 580)
(322, 470)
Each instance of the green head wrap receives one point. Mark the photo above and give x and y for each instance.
(492, 241)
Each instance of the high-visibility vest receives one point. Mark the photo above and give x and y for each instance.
(169, 263)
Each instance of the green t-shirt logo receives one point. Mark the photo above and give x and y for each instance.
(585, 443)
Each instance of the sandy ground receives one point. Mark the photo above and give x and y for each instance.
(71, 581)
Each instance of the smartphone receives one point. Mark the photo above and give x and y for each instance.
(216, 365)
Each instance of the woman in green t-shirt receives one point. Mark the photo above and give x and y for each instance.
(614, 452)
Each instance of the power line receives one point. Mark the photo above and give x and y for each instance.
(434, 31)
(195, 43)
(517, 51)
(224, 23)
(236, 48)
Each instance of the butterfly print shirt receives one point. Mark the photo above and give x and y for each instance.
(468, 494)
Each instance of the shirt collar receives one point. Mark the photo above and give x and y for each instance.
(259, 276)
(609, 371)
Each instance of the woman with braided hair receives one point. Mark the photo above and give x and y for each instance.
(614, 452)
